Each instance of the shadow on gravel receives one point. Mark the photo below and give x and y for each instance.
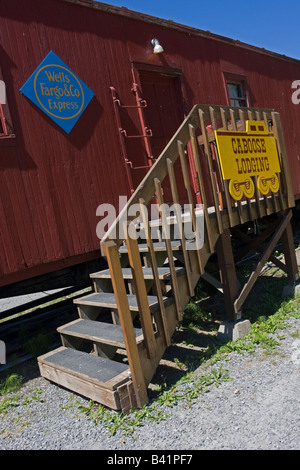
(195, 340)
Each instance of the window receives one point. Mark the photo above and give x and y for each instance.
(236, 93)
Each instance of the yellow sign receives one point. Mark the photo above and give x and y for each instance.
(246, 154)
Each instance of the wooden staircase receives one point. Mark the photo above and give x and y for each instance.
(112, 351)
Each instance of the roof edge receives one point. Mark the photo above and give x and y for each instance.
(123, 11)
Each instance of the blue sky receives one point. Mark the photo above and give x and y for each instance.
(272, 24)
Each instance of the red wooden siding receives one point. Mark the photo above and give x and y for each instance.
(51, 183)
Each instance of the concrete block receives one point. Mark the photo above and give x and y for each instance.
(231, 331)
(2, 353)
(290, 290)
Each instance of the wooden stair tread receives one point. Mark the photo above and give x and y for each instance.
(108, 300)
(163, 272)
(95, 331)
(86, 366)
(158, 246)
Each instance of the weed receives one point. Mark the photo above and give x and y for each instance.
(35, 397)
(12, 383)
(7, 403)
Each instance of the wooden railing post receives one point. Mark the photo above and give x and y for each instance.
(155, 271)
(141, 293)
(284, 159)
(165, 230)
(112, 255)
(191, 202)
(180, 225)
(289, 253)
(227, 273)
(201, 186)
(211, 172)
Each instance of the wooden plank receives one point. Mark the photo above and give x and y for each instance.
(201, 185)
(94, 391)
(157, 246)
(191, 201)
(284, 159)
(212, 177)
(155, 271)
(93, 369)
(232, 117)
(96, 331)
(280, 195)
(141, 293)
(252, 244)
(180, 224)
(257, 193)
(234, 127)
(162, 209)
(227, 273)
(163, 273)
(242, 118)
(219, 176)
(265, 256)
(213, 281)
(287, 240)
(256, 245)
(108, 300)
(127, 397)
(223, 117)
(111, 252)
(268, 207)
(243, 128)
(259, 117)
(225, 182)
(267, 117)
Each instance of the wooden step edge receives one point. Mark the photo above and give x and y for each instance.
(87, 300)
(147, 272)
(112, 384)
(157, 246)
(62, 330)
(109, 396)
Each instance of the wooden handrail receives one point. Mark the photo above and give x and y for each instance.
(207, 118)
(146, 188)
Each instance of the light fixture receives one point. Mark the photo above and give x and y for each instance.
(157, 47)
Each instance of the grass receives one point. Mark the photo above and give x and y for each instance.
(11, 383)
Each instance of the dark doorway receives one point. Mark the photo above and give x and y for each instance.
(164, 114)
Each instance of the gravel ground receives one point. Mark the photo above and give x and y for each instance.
(257, 409)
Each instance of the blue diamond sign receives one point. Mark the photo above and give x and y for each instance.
(58, 92)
